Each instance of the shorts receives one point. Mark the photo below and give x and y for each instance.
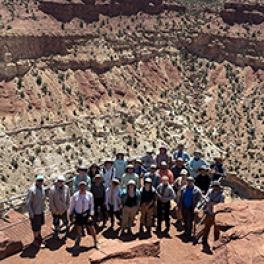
(83, 219)
(37, 222)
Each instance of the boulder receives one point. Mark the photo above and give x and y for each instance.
(8, 246)
(243, 242)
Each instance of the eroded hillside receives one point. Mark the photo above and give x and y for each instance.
(82, 79)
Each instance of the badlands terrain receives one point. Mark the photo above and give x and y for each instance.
(80, 80)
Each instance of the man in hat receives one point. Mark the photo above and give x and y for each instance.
(163, 156)
(214, 196)
(120, 165)
(218, 169)
(130, 198)
(108, 172)
(98, 191)
(113, 201)
(189, 198)
(148, 159)
(203, 179)
(59, 202)
(165, 194)
(148, 198)
(35, 204)
(180, 153)
(139, 168)
(177, 168)
(153, 176)
(82, 206)
(165, 171)
(130, 175)
(195, 163)
(82, 176)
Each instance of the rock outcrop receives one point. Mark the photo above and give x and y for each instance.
(8, 246)
(244, 239)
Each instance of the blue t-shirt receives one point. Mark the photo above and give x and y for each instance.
(188, 198)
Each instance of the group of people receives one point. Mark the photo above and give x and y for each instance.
(120, 189)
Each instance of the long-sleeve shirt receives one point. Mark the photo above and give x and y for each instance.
(196, 196)
(98, 190)
(35, 201)
(203, 182)
(213, 197)
(81, 203)
(77, 179)
(181, 154)
(108, 175)
(167, 173)
(165, 193)
(163, 157)
(120, 166)
(154, 177)
(112, 197)
(127, 177)
(194, 165)
(59, 199)
(147, 161)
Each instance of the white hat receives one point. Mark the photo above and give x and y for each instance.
(163, 163)
(61, 178)
(184, 172)
(131, 182)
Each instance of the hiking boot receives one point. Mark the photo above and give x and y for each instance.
(149, 231)
(141, 229)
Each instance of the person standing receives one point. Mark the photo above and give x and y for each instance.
(82, 206)
(98, 191)
(139, 168)
(35, 204)
(214, 196)
(130, 175)
(148, 197)
(59, 203)
(108, 172)
(218, 169)
(92, 171)
(165, 194)
(203, 179)
(195, 163)
(177, 168)
(163, 156)
(113, 201)
(180, 153)
(190, 196)
(120, 165)
(82, 176)
(148, 159)
(165, 171)
(153, 176)
(130, 198)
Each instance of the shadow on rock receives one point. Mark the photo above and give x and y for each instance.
(76, 251)
(54, 244)
(110, 233)
(30, 251)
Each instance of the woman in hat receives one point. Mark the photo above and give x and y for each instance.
(130, 175)
(120, 165)
(130, 198)
(113, 201)
(108, 172)
(163, 156)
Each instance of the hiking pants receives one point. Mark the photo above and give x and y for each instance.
(128, 216)
(188, 218)
(146, 217)
(163, 212)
